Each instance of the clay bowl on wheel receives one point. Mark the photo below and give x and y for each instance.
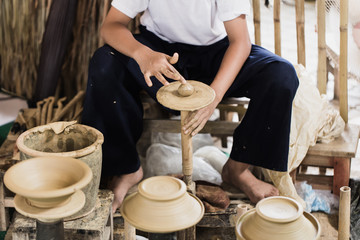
(277, 218)
(162, 205)
(47, 182)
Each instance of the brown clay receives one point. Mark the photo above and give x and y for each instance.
(186, 89)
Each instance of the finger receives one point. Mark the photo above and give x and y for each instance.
(161, 78)
(174, 74)
(174, 58)
(198, 129)
(148, 81)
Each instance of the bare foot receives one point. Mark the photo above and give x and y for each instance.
(237, 174)
(120, 185)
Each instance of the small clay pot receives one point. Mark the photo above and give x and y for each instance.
(47, 182)
(277, 218)
(162, 205)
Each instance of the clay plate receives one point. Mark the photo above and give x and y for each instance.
(74, 204)
(162, 205)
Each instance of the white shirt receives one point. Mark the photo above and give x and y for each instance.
(195, 22)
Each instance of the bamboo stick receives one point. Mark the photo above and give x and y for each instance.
(344, 213)
(343, 70)
(187, 151)
(257, 21)
(300, 33)
(277, 27)
(321, 71)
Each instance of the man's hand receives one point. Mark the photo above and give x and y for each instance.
(158, 64)
(196, 120)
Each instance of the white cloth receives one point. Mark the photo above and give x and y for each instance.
(195, 22)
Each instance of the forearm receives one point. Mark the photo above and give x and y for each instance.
(233, 60)
(119, 37)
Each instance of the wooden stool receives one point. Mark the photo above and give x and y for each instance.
(337, 155)
(98, 225)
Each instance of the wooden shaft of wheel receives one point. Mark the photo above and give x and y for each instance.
(186, 148)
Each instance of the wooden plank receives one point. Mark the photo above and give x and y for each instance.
(343, 146)
(318, 161)
(315, 179)
(173, 126)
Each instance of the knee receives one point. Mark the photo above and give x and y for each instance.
(104, 64)
(284, 79)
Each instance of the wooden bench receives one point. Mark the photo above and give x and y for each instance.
(336, 155)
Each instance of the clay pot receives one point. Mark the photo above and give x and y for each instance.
(162, 205)
(47, 182)
(75, 141)
(277, 218)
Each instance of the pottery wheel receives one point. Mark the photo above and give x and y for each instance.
(75, 204)
(169, 97)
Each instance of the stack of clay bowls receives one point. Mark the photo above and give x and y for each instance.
(48, 188)
(277, 218)
(162, 205)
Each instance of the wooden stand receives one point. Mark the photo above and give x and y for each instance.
(98, 225)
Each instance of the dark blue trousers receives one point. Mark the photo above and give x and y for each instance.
(112, 103)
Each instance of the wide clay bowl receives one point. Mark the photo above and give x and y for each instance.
(162, 205)
(277, 218)
(47, 182)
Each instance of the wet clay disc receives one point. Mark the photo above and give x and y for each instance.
(202, 96)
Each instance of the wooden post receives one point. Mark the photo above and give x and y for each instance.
(257, 20)
(341, 174)
(277, 28)
(187, 234)
(343, 70)
(130, 231)
(300, 16)
(321, 71)
(187, 154)
(344, 213)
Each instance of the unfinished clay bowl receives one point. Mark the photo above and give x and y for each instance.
(47, 182)
(67, 139)
(277, 218)
(162, 205)
(170, 97)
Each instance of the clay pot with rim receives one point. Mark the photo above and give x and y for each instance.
(277, 218)
(162, 205)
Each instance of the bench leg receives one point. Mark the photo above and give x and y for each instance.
(341, 174)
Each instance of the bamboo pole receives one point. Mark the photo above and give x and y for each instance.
(343, 70)
(277, 27)
(187, 155)
(257, 21)
(344, 213)
(300, 33)
(321, 71)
